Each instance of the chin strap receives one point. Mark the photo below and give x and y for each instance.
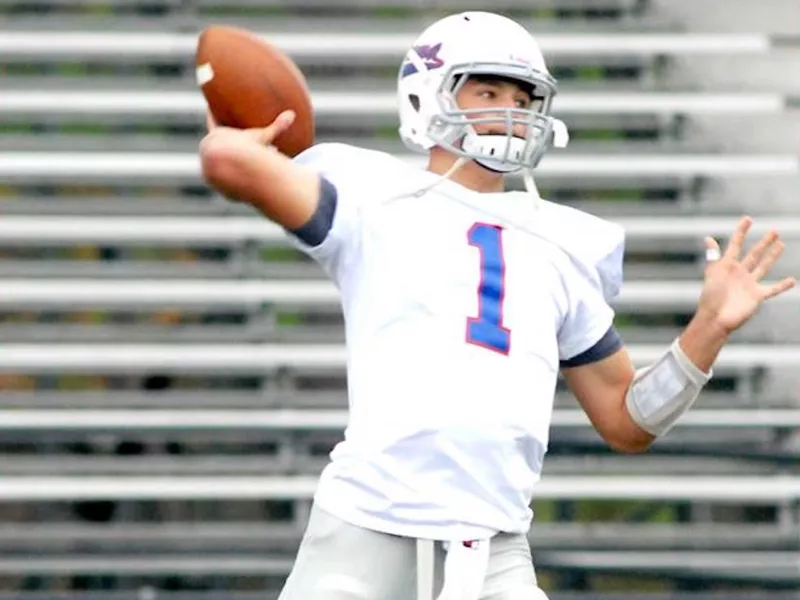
(527, 176)
(460, 162)
(530, 186)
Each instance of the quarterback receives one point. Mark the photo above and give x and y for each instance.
(463, 303)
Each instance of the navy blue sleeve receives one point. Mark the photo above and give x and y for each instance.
(608, 345)
(316, 229)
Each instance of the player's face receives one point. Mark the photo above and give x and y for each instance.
(478, 93)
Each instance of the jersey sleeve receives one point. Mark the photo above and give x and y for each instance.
(339, 246)
(596, 246)
(588, 317)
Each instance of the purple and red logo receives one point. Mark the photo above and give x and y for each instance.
(429, 55)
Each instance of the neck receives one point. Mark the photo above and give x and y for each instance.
(471, 175)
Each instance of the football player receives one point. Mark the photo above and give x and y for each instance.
(462, 304)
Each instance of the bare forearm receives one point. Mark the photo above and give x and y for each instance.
(702, 340)
(246, 171)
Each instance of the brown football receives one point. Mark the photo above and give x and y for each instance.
(248, 82)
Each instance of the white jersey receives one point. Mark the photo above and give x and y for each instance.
(458, 307)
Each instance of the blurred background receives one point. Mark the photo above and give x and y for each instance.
(171, 371)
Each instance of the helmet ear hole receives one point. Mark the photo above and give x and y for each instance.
(415, 103)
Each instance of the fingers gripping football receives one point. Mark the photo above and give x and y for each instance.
(249, 84)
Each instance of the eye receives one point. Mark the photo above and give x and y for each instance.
(488, 94)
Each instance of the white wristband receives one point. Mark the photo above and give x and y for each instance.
(662, 392)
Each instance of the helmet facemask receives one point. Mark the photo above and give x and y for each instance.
(453, 128)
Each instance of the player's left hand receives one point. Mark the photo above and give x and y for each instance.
(732, 290)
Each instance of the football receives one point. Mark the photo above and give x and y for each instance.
(247, 82)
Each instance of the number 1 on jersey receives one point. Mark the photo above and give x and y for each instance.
(486, 330)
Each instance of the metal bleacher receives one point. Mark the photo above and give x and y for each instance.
(172, 370)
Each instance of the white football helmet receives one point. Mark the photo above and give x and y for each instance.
(440, 62)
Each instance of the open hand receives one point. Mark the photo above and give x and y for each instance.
(732, 290)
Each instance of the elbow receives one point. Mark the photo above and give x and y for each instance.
(629, 446)
(628, 440)
(624, 435)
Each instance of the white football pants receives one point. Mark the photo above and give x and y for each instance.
(339, 561)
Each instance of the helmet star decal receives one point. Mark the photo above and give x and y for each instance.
(429, 55)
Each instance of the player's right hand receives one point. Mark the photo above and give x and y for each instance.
(262, 135)
(266, 135)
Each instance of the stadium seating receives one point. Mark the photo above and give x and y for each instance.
(171, 373)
